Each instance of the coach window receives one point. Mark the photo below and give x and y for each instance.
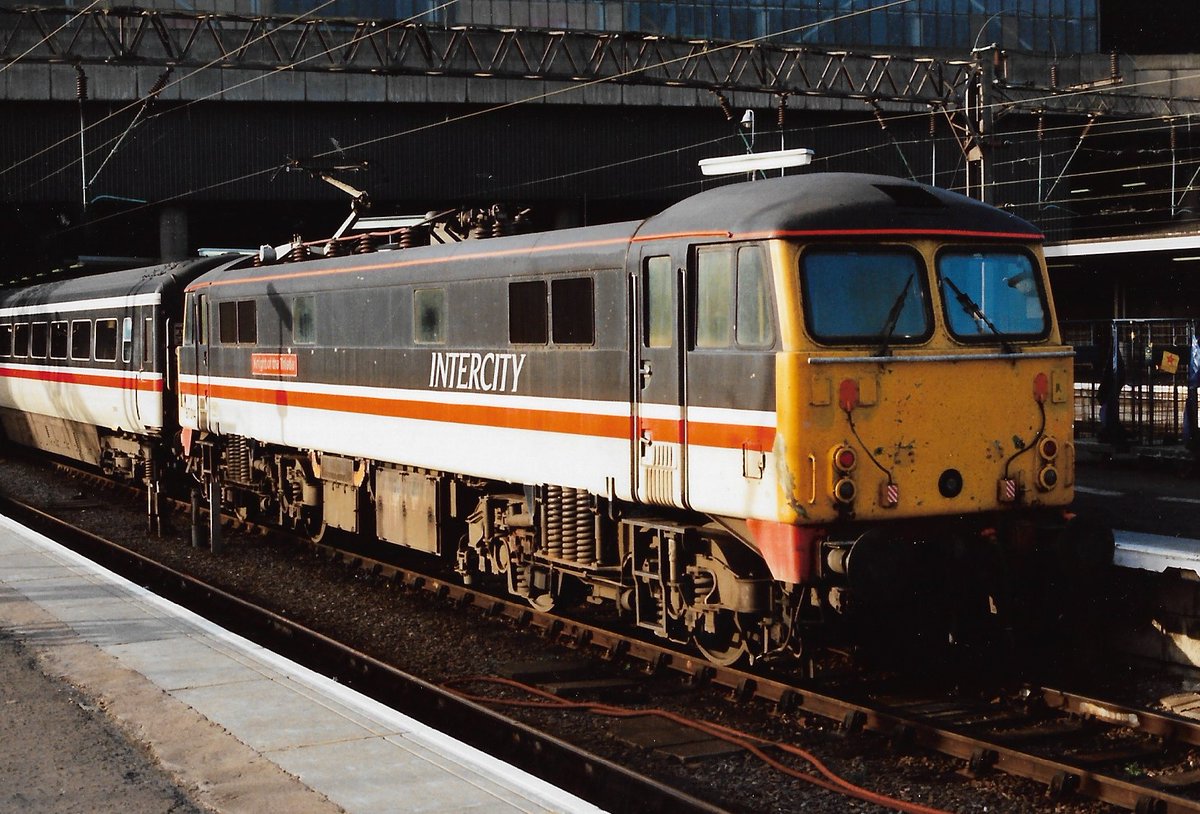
(39, 340)
(572, 311)
(527, 306)
(238, 322)
(21, 339)
(58, 340)
(106, 340)
(6, 340)
(81, 340)
(658, 307)
(429, 316)
(127, 340)
(304, 320)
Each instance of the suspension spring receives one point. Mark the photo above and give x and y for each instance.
(570, 537)
(554, 529)
(585, 529)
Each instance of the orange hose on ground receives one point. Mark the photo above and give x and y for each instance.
(828, 780)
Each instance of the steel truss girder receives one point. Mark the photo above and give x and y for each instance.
(135, 36)
(132, 36)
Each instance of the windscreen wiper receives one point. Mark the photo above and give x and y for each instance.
(894, 316)
(973, 310)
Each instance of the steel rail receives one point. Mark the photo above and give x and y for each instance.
(602, 782)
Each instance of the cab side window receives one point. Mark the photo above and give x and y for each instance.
(732, 298)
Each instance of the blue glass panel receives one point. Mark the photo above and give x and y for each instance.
(685, 24)
(1090, 37)
(879, 29)
(1025, 28)
(877, 283)
(937, 30)
(720, 24)
(633, 16)
(1000, 288)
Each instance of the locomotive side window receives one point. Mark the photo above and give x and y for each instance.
(527, 323)
(237, 322)
(755, 328)
(81, 339)
(572, 310)
(714, 297)
(733, 298)
(990, 293)
(21, 339)
(865, 296)
(58, 340)
(658, 312)
(147, 341)
(127, 340)
(227, 318)
(429, 316)
(39, 340)
(6, 333)
(304, 320)
(106, 340)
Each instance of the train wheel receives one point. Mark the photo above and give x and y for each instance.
(726, 644)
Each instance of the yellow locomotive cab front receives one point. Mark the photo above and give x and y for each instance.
(920, 379)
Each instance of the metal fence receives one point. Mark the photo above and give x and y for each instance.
(1137, 395)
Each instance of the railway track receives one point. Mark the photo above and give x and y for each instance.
(1028, 737)
(582, 773)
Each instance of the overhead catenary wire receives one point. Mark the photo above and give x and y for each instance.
(212, 63)
(578, 86)
(222, 91)
(475, 114)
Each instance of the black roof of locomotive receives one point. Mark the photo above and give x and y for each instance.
(840, 205)
(836, 203)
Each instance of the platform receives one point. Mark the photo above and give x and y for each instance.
(241, 728)
(1156, 552)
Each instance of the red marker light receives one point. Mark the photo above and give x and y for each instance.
(1048, 448)
(845, 459)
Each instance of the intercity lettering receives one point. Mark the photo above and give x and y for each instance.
(488, 372)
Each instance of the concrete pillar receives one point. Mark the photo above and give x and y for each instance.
(172, 233)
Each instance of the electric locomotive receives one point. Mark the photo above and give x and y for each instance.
(773, 406)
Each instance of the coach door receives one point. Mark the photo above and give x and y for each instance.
(660, 429)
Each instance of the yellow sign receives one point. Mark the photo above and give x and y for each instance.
(1169, 363)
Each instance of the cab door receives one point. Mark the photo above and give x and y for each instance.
(193, 364)
(660, 397)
